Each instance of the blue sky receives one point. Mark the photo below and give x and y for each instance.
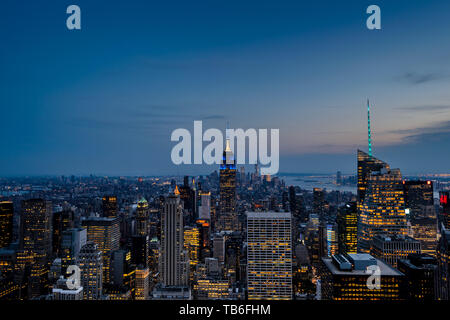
(105, 99)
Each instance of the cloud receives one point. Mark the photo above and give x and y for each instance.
(415, 78)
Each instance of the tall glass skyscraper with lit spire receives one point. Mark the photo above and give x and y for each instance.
(228, 181)
(383, 207)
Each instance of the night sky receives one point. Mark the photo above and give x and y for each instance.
(105, 99)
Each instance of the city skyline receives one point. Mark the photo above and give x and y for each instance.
(104, 100)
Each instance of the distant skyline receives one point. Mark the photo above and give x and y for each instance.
(104, 100)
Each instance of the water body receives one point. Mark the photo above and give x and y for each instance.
(308, 182)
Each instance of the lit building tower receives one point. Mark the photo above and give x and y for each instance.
(91, 266)
(444, 200)
(105, 232)
(228, 181)
(173, 266)
(142, 283)
(142, 218)
(109, 206)
(366, 164)
(392, 248)
(421, 213)
(6, 223)
(347, 220)
(36, 242)
(269, 256)
(383, 208)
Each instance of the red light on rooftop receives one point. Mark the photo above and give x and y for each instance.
(444, 199)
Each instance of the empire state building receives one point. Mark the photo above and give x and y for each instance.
(228, 181)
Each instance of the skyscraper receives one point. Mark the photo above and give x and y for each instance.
(142, 284)
(142, 218)
(91, 268)
(392, 248)
(366, 164)
(269, 256)
(345, 277)
(383, 208)
(36, 243)
(228, 181)
(173, 264)
(6, 223)
(109, 206)
(420, 272)
(444, 200)
(443, 258)
(347, 221)
(105, 232)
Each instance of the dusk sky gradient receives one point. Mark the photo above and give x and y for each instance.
(105, 99)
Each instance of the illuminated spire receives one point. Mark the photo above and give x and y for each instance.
(176, 191)
(368, 129)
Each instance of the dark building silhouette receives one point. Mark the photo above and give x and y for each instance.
(420, 276)
(6, 223)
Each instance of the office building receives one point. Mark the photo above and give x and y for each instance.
(383, 208)
(345, 277)
(173, 257)
(91, 267)
(105, 232)
(142, 284)
(391, 248)
(269, 256)
(228, 181)
(347, 221)
(109, 206)
(6, 223)
(420, 276)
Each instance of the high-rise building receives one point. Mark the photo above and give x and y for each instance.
(109, 206)
(392, 248)
(421, 213)
(418, 196)
(319, 204)
(123, 272)
(383, 208)
(228, 181)
(140, 250)
(36, 243)
(61, 221)
(173, 258)
(219, 247)
(6, 223)
(366, 164)
(61, 292)
(204, 209)
(347, 221)
(444, 200)
(105, 232)
(72, 241)
(211, 289)
(443, 273)
(142, 218)
(142, 284)
(345, 277)
(269, 256)
(91, 268)
(192, 247)
(420, 273)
